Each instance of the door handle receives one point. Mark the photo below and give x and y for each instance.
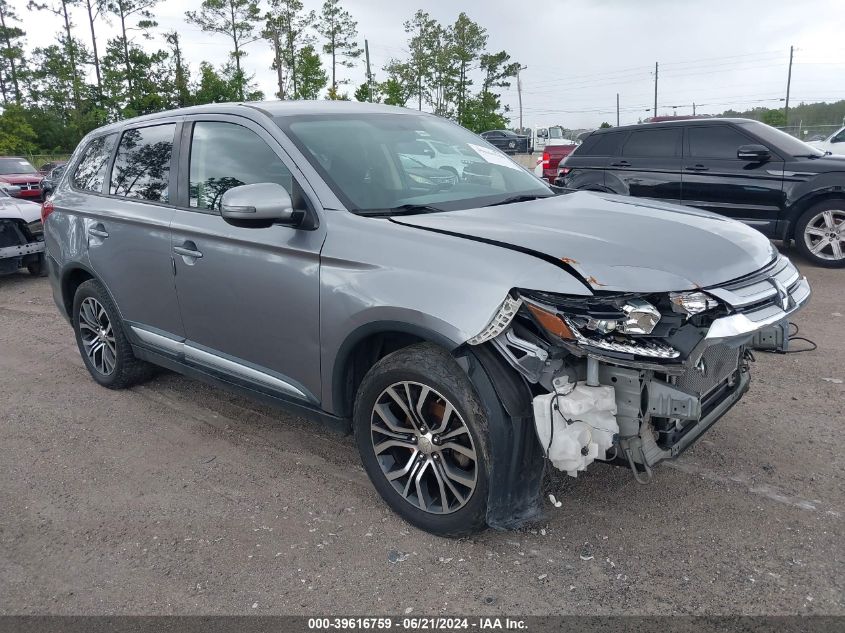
(696, 168)
(621, 163)
(188, 249)
(98, 230)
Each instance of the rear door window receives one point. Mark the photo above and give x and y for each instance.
(657, 143)
(142, 165)
(715, 141)
(90, 172)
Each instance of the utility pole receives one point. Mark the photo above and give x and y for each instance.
(519, 94)
(693, 108)
(617, 109)
(788, 85)
(655, 89)
(369, 74)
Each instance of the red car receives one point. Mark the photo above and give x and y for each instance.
(20, 173)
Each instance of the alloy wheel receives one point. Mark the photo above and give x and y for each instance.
(824, 235)
(95, 330)
(424, 447)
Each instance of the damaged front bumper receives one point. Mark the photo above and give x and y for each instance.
(664, 401)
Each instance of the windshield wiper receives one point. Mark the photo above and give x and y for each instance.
(520, 198)
(402, 209)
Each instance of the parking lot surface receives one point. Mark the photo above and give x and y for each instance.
(176, 498)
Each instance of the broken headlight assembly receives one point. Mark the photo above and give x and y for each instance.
(626, 325)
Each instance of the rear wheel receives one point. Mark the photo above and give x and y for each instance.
(104, 348)
(422, 435)
(820, 234)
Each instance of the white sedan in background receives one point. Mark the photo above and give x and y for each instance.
(835, 143)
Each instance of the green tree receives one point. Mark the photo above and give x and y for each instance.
(61, 8)
(135, 82)
(369, 91)
(11, 56)
(180, 72)
(94, 9)
(775, 118)
(132, 16)
(16, 135)
(286, 28)
(394, 91)
(467, 40)
(226, 85)
(400, 84)
(604, 125)
(237, 20)
(334, 95)
(340, 32)
(417, 71)
(484, 112)
(309, 76)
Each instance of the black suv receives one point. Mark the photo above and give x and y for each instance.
(739, 168)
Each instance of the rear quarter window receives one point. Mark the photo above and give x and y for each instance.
(90, 172)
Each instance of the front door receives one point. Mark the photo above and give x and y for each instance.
(249, 295)
(716, 180)
(649, 165)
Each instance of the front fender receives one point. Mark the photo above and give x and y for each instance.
(442, 288)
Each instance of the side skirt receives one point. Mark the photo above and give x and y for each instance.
(246, 389)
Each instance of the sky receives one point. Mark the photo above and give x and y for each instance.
(579, 54)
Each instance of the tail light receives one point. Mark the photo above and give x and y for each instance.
(546, 159)
(46, 209)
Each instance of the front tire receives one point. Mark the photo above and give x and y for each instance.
(102, 343)
(422, 435)
(820, 234)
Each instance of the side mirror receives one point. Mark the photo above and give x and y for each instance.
(12, 190)
(262, 202)
(757, 153)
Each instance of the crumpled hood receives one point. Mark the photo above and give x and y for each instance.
(11, 208)
(613, 242)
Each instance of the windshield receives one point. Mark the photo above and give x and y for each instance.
(16, 166)
(555, 132)
(384, 161)
(781, 140)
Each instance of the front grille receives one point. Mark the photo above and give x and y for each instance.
(715, 366)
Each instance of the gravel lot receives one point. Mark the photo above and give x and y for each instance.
(174, 497)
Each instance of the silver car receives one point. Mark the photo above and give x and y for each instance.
(469, 331)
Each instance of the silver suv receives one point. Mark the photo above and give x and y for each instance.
(469, 327)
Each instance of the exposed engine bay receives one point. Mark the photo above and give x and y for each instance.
(637, 378)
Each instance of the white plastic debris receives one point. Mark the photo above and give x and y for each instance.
(576, 424)
(835, 381)
(554, 501)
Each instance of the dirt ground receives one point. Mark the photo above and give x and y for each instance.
(176, 498)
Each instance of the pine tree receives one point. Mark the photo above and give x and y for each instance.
(340, 32)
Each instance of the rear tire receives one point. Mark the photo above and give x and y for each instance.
(102, 342)
(820, 234)
(434, 451)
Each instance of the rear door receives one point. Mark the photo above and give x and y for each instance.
(716, 180)
(249, 295)
(128, 228)
(648, 165)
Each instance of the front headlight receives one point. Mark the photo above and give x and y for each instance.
(691, 303)
(621, 325)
